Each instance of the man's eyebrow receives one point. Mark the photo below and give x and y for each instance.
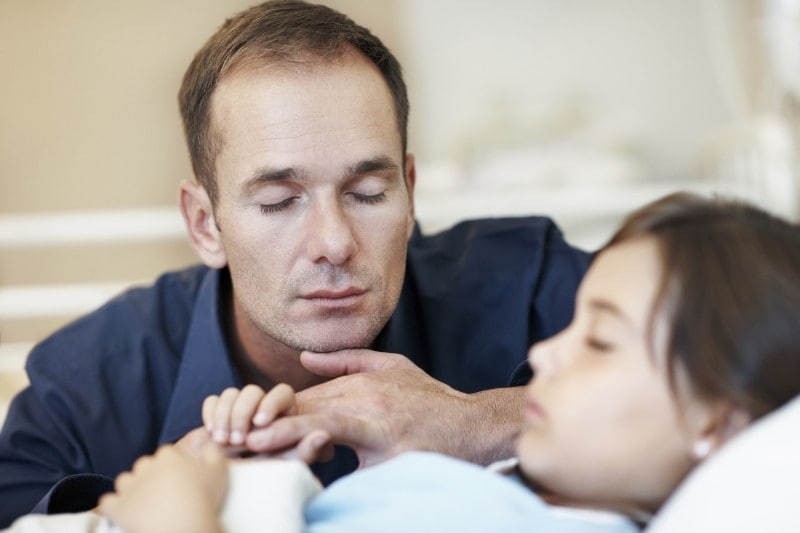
(378, 164)
(266, 175)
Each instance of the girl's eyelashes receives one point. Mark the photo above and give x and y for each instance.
(598, 344)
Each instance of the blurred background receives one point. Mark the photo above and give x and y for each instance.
(578, 109)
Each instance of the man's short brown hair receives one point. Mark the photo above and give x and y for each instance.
(282, 32)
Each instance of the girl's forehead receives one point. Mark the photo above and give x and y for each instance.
(627, 276)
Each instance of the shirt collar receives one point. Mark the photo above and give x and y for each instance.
(206, 366)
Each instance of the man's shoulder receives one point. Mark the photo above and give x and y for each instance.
(522, 236)
(523, 227)
(171, 292)
(158, 313)
(526, 242)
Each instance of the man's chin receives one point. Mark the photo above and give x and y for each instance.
(331, 334)
(325, 346)
(332, 342)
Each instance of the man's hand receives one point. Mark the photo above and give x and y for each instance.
(170, 491)
(382, 405)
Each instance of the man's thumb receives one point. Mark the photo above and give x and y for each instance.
(344, 362)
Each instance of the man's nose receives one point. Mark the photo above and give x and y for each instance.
(331, 236)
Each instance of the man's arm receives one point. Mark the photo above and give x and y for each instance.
(35, 455)
(382, 405)
(73, 428)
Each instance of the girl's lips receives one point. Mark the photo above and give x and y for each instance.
(533, 411)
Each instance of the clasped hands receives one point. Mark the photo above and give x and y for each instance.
(268, 423)
(378, 404)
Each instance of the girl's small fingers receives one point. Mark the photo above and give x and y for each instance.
(242, 412)
(122, 481)
(221, 416)
(208, 409)
(107, 502)
(279, 401)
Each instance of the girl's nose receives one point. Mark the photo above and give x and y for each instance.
(542, 357)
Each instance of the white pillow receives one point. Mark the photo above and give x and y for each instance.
(752, 484)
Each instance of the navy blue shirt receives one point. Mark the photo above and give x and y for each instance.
(132, 375)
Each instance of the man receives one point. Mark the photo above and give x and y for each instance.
(303, 214)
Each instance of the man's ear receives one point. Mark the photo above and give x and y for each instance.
(411, 179)
(201, 226)
(716, 425)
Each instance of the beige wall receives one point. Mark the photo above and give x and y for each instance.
(88, 97)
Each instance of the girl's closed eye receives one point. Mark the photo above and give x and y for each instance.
(598, 344)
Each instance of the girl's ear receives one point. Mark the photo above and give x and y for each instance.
(204, 234)
(714, 425)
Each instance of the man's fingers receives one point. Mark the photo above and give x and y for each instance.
(316, 446)
(344, 362)
(286, 433)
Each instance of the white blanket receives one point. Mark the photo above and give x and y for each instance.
(264, 495)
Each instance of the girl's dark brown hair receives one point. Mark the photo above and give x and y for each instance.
(730, 289)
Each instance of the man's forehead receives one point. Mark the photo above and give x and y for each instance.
(254, 65)
(247, 86)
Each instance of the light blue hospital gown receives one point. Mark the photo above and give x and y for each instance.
(420, 491)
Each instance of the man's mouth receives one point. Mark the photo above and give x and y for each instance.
(335, 297)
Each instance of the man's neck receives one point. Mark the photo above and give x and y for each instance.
(271, 367)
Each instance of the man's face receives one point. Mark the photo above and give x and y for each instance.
(314, 209)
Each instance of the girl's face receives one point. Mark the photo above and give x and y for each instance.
(601, 426)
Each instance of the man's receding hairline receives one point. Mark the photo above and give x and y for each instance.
(249, 61)
(252, 62)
